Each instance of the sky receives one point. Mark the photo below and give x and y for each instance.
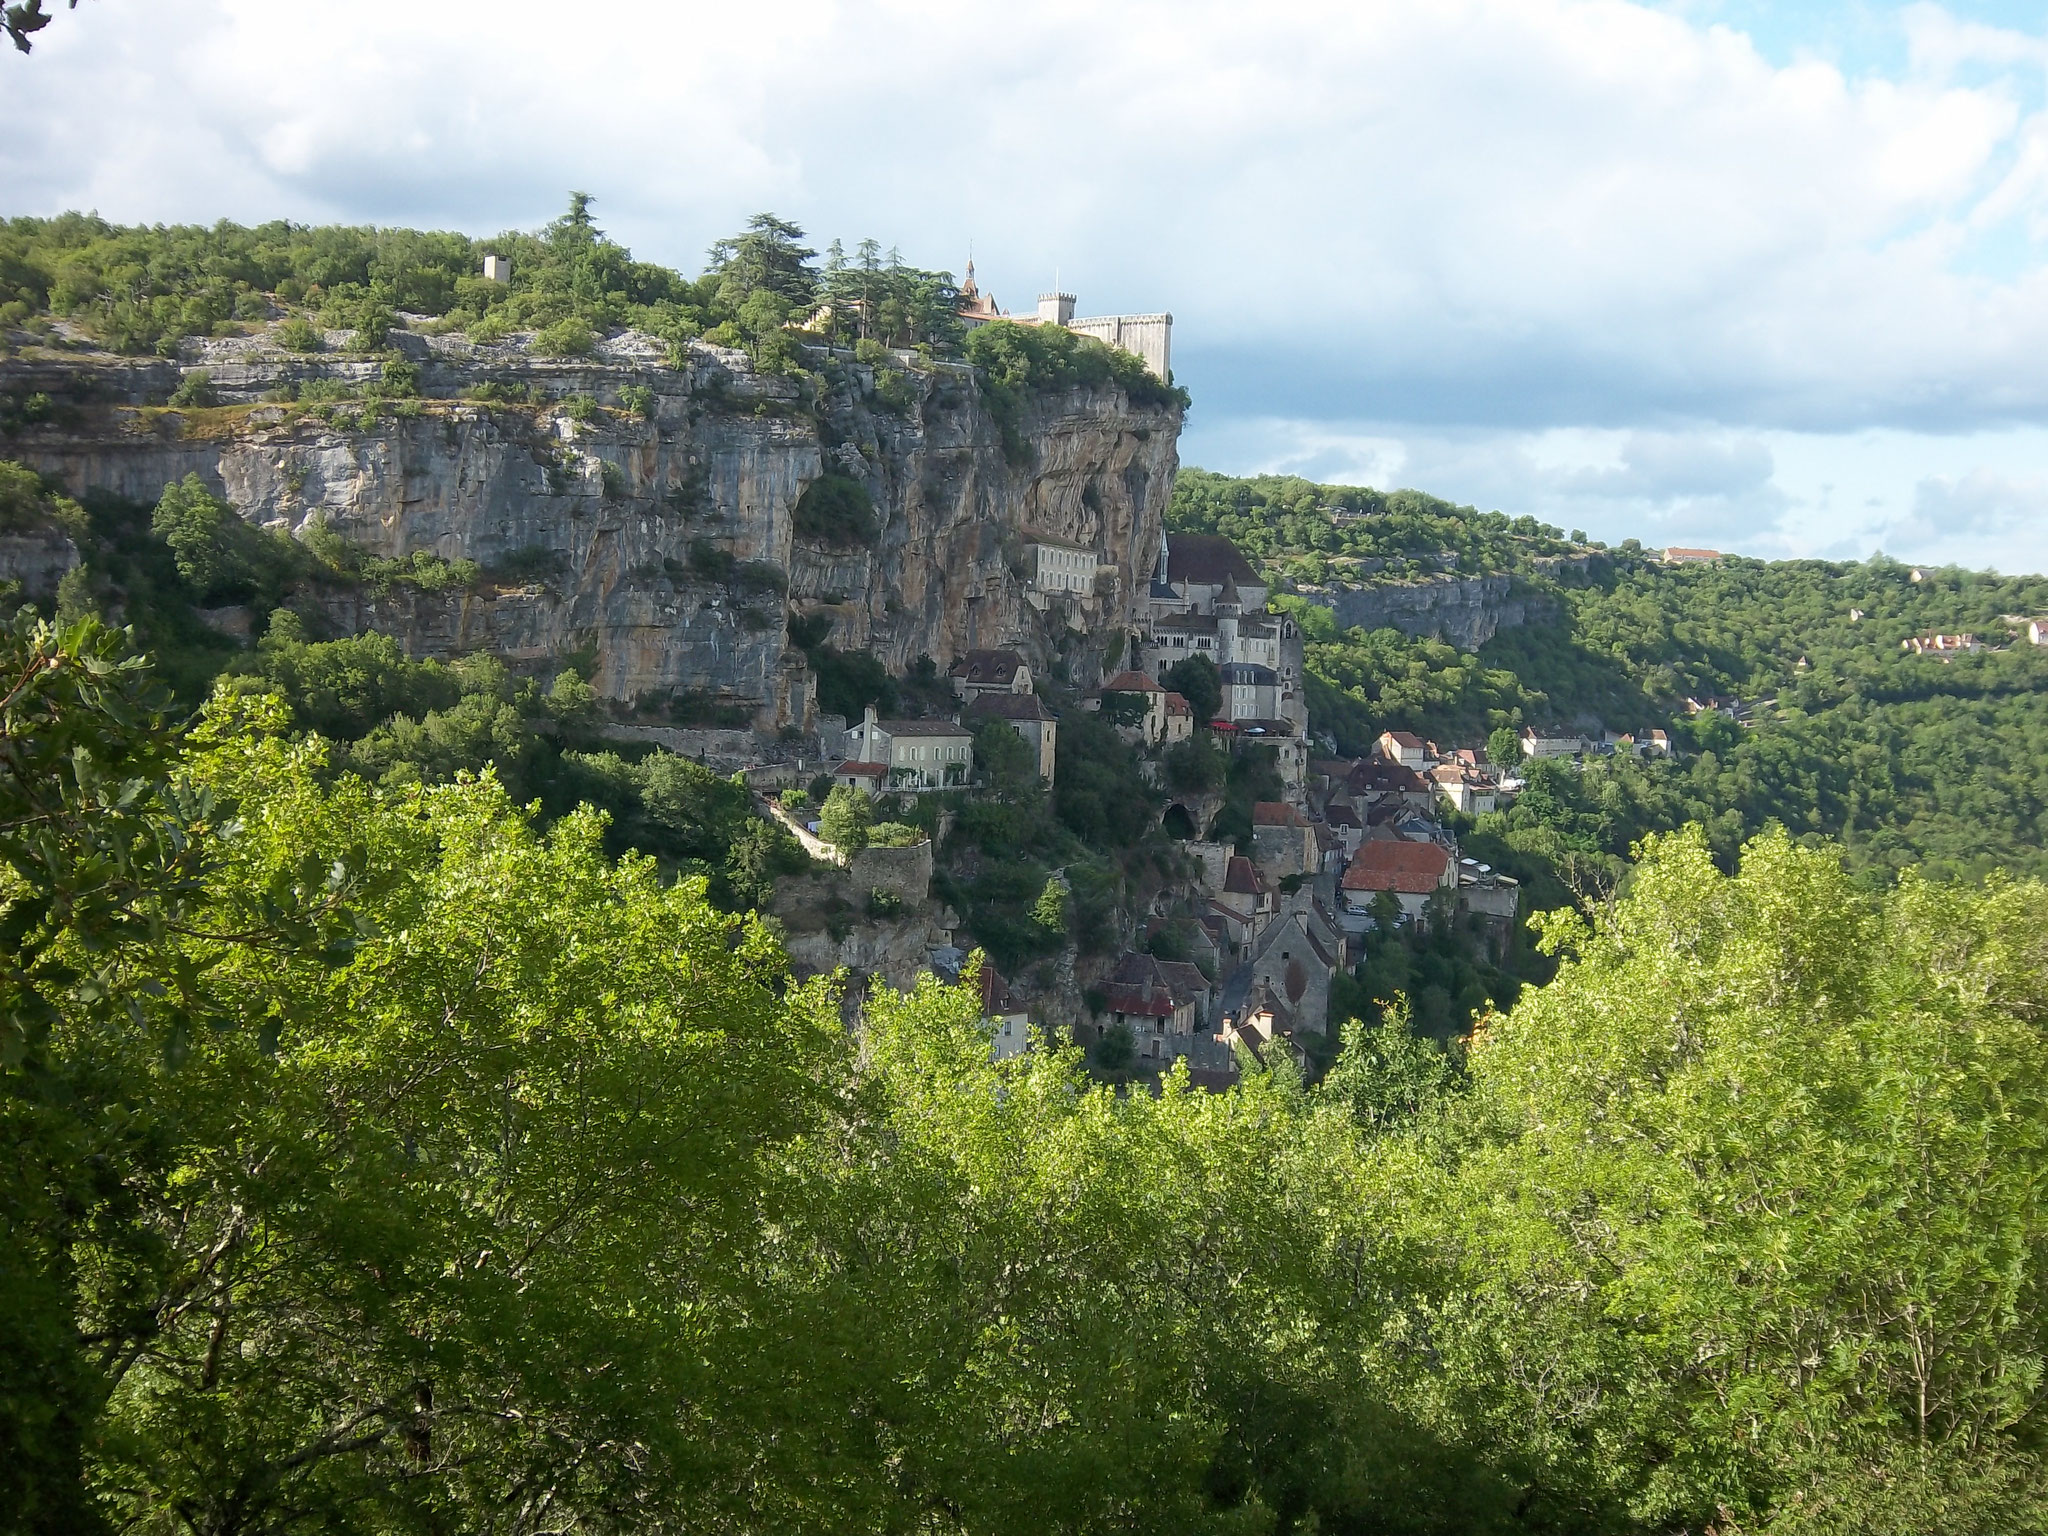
(1763, 277)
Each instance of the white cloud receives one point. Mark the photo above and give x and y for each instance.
(1484, 227)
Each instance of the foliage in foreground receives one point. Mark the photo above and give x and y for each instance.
(376, 1162)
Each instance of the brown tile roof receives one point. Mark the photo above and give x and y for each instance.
(1131, 682)
(1274, 813)
(1176, 705)
(1386, 778)
(1207, 558)
(1241, 878)
(987, 666)
(861, 769)
(1009, 706)
(1414, 869)
(1403, 738)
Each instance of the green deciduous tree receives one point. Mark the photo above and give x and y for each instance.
(845, 819)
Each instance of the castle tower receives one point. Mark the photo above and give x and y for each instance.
(1055, 308)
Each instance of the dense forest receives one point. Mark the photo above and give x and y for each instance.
(385, 1164)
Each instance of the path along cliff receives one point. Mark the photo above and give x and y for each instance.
(644, 509)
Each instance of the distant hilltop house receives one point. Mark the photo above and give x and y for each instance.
(1146, 337)
(1677, 556)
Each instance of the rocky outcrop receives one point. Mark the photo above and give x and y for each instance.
(36, 559)
(636, 510)
(1465, 610)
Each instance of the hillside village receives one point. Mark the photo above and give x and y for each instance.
(1236, 960)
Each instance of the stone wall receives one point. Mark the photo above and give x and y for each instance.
(904, 872)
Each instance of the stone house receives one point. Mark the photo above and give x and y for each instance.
(1010, 1023)
(1060, 568)
(1283, 842)
(1180, 719)
(1468, 790)
(1150, 729)
(1403, 747)
(1537, 743)
(1295, 961)
(920, 754)
(1159, 1001)
(1412, 871)
(982, 672)
(1028, 717)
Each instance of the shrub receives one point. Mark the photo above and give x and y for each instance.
(796, 802)
(870, 351)
(835, 509)
(401, 379)
(613, 480)
(195, 388)
(298, 334)
(894, 834)
(579, 408)
(638, 399)
(710, 562)
(883, 903)
(531, 562)
(565, 338)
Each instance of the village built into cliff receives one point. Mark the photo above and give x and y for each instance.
(650, 514)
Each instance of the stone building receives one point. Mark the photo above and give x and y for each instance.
(1028, 718)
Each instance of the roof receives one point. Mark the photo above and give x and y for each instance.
(1403, 739)
(863, 770)
(1413, 869)
(1338, 814)
(1010, 706)
(924, 728)
(1241, 878)
(1249, 672)
(1154, 1002)
(987, 666)
(1193, 623)
(1176, 705)
(1274, 813)
(1385, 777)
(1131, 682)
(1206, 558)
(995, 992)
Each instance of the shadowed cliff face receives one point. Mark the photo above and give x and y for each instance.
(1465, 610)
(659, 540)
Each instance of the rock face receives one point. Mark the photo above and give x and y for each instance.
(1465, 610)
(640, 517)
(37, 558)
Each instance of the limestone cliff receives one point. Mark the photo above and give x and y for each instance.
(1465, 610)
(636, 508)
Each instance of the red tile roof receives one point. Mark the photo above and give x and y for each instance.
(1413, 869)
(861, 770)
(1274, 813)
(1176, 705)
